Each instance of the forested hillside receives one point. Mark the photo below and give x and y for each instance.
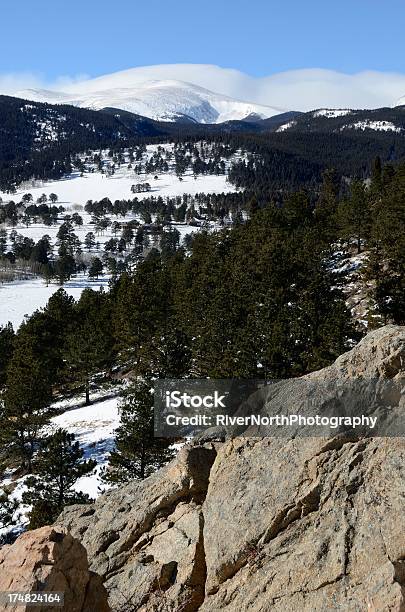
(41, 140)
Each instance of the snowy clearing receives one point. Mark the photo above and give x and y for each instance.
(76, 189)
(23, 297)
(331, 113)
(286, 126)
(94, 427)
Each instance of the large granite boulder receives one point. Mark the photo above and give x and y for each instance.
(49, 559)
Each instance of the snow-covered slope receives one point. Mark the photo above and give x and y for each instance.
(330, 113)
(165, 100)
(379, 126)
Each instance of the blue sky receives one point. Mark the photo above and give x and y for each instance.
(51, 38)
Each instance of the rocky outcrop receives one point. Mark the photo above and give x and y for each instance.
(146, 539)
(379, 354)
(261, 524)
(49, 559)
(267, 523)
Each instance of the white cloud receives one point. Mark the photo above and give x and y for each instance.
(314, 88)
(295, 89)
(10, 83)
(65, 82)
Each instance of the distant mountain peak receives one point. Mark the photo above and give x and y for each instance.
(159, 99)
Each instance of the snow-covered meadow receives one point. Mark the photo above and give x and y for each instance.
(76, 190)
(20, 298)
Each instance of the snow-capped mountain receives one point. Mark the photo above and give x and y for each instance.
(165, 100)
(303, 90)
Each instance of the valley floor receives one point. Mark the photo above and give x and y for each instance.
(23, 297)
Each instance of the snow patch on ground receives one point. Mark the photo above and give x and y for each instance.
(94, 428)
(356, 289)
(379, 126)
(330, 113)
(19, 299)
(286, 126)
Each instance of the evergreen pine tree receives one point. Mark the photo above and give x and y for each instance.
(355, 215)
(8, 508)
(25, 401)
(140, 308)
(6, 349)
(96, 267)
(48, 329)
(89, 344)
(387, 263)
(137, 453)
(167, 354)
(326, 205)
(89, 241)
(65, 265)
(376, 186)
(58, 466)
(252, 206)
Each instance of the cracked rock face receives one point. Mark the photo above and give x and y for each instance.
(146, 539)
(315, 526)
(49, 559)
(263, 524)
